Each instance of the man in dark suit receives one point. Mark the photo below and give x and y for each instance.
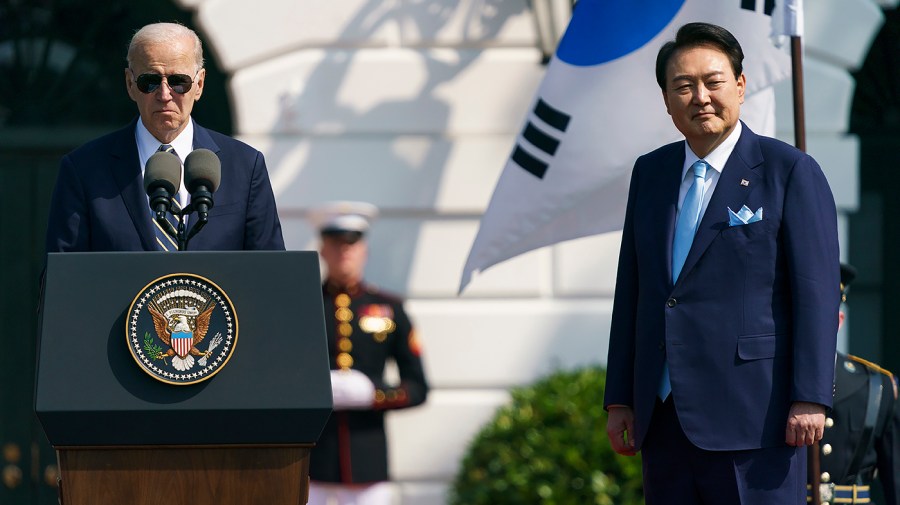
(99, 203)
(721, 353)
(862, 431)
(366, 329)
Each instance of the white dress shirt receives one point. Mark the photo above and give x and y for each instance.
(183, 144)
(716, 161)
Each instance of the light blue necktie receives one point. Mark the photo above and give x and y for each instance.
(685, 229)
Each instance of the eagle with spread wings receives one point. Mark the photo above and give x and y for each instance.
(183, 359)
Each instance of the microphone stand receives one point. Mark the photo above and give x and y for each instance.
(202, 219)
(182, 241)
(181, 235)
(165, 224)
(178, 234)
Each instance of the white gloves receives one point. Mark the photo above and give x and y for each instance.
(351, 389)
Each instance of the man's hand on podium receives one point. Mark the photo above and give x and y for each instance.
(351, 389)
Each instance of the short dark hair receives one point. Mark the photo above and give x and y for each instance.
(696, 35)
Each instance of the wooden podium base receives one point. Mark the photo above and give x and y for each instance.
(177, 475)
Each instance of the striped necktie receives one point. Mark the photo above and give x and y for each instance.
(165, 241)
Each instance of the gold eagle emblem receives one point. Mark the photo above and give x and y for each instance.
(181, 325)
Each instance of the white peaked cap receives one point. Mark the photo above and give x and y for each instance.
(343, 216)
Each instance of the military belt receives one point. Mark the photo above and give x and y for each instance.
(831, 493)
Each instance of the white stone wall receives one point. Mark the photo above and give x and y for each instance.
(414, 105)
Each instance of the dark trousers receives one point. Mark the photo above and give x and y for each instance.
(676, 472)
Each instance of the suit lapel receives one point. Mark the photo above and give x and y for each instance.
(668, 199)
(125, 168)
(203, 140)
(730, 191)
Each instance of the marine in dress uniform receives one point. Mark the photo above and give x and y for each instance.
(366, 328)
(861, 431)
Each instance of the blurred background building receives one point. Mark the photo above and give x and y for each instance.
(413, 105)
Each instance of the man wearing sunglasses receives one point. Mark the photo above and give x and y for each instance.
(99, 203)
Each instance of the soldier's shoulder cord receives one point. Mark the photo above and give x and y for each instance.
(872, 366)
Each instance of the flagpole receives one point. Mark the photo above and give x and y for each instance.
(815, 468)
(797, 80)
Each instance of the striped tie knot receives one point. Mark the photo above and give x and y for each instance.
(169, 148)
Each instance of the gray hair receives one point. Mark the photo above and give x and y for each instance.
(165, 33)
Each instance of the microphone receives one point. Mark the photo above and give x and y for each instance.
(162, 178)
(202, 175)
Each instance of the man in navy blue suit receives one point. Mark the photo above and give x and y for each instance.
(721, 353)
(99, 203)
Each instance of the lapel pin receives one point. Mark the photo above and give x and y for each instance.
(745, 182)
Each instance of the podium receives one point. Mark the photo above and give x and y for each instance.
(183, 378)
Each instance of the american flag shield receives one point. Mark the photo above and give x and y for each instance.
(182, 341)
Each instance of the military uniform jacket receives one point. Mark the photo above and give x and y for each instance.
(845, 428)
(366, 328)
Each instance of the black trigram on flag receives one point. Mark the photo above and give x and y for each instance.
(750, 5)
(540, 138)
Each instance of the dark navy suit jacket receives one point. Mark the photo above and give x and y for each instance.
(749, 326)
(99, 203)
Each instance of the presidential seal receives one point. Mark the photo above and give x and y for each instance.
(181, 329)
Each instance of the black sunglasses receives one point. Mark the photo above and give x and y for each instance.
(149, 83)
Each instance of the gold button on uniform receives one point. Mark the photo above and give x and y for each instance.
(344, 329)
(826, 477)
(829, 422)
(344, 360)
(826, 449)
(343, 314)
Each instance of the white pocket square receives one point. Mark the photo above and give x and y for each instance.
(744, 216)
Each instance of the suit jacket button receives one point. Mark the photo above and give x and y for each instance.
(671, 302)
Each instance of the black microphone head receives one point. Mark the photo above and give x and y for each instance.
(202, 168)
(163, 170)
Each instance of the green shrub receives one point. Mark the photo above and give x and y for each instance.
(549, 447)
